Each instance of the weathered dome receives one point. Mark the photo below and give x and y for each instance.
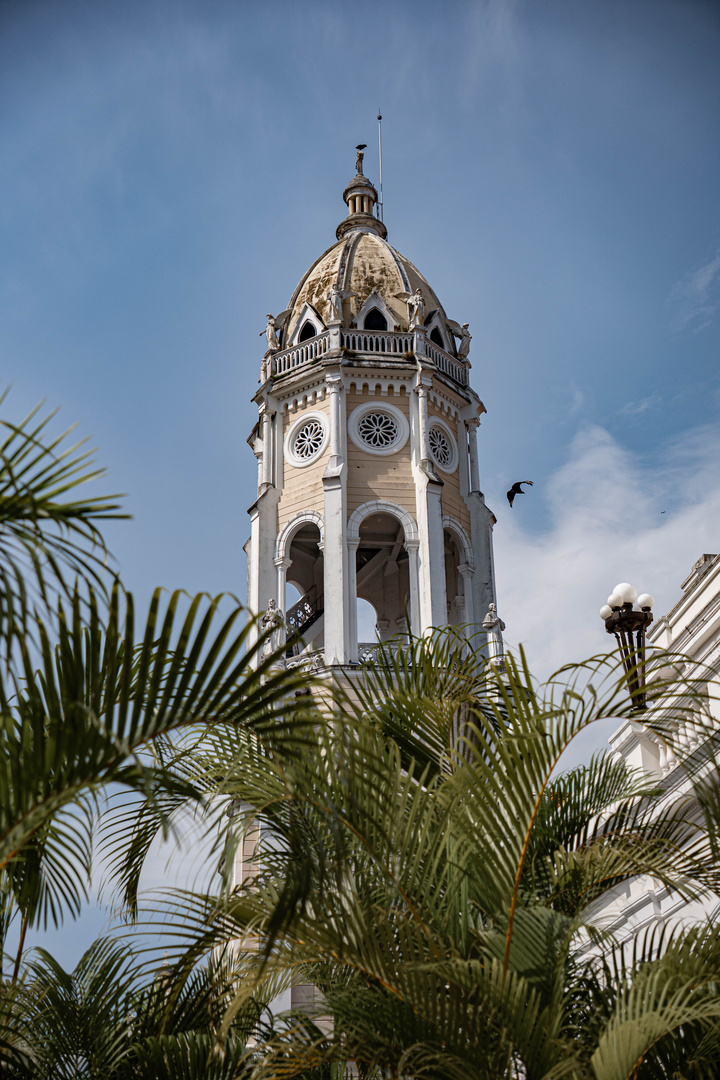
(360, 263)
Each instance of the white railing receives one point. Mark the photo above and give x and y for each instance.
(386, 342)
(368, 650)
(372, 342)
(445, 363)
(312, 349)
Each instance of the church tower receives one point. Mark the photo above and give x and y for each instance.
(368, 474)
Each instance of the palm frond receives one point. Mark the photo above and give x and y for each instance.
(48, 536)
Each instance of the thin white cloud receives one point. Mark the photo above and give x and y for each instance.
(489, 40)
(615, 518)
(499, 17)
(577, 399)
(697, 296)
(637, 408)
(608, 525)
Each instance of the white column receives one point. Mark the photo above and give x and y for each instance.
(267, 451)
(466, 572)
(428, 500)
(472, 426)
(335, 384)
(422, 422)
(282, 566)
(253, 575)
(411, 546)
(336, 616)
(463, 463)
(352, 546)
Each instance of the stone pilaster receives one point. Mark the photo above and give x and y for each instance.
(335, 572)
(482, 521)
(428, 502)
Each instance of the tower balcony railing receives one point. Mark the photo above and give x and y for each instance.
(387, 343)
(370, 651)
(299, 355)
(454, 369)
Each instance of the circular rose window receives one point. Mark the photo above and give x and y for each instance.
(443, 448)
(440, 447)
(307, 439)
(378, 429)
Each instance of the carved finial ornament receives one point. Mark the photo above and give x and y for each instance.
(359, 159)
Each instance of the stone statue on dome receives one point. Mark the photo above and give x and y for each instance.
(270, 333)
(359, 160)
(464, 336)
(415, 306)
(464, 346)
(335, 298)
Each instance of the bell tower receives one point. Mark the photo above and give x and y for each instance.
(366, 441)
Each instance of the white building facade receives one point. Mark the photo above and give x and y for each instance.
(690, 628)
(366, 441)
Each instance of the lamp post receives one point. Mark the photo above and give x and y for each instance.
(628, 623)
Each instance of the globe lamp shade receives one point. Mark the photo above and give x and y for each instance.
(645, 602)
(615, 600)
(627, 591)
(605, 612)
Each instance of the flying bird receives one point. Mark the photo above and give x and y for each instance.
(516, 489)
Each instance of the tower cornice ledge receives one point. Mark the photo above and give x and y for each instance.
(361, 221)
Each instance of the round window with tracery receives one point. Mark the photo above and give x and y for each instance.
(306, 440)
(309, 440)
(440, 447)
(443, 448)
(378, 430)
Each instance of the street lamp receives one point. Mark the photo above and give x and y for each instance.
(628, 624)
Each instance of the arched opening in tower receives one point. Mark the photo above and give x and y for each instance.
(304, 587)
(382, 576)
(375, 320)
(457, 613)
(308, 331)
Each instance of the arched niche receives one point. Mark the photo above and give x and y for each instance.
(375, 320)
(300, 585)
(382, 551)
(459, 568)
(307, 330)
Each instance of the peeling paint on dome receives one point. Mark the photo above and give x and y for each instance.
(360, 263)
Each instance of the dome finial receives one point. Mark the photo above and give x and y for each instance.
(361, 198)
(359, 158)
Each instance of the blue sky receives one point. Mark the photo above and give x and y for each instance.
(169, 171)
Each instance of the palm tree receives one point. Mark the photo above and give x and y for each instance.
(438, 880)
(104, 1021)
(424, 864)
(87, 698)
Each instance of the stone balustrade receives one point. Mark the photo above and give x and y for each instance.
(368, 343)
(454, 369)
(384, 342)
(299, 355)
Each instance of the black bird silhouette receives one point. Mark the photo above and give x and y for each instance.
(517, 490)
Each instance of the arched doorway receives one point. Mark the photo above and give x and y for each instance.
(453, 583)
(458, 574)
(300, 582)
(382, 574)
